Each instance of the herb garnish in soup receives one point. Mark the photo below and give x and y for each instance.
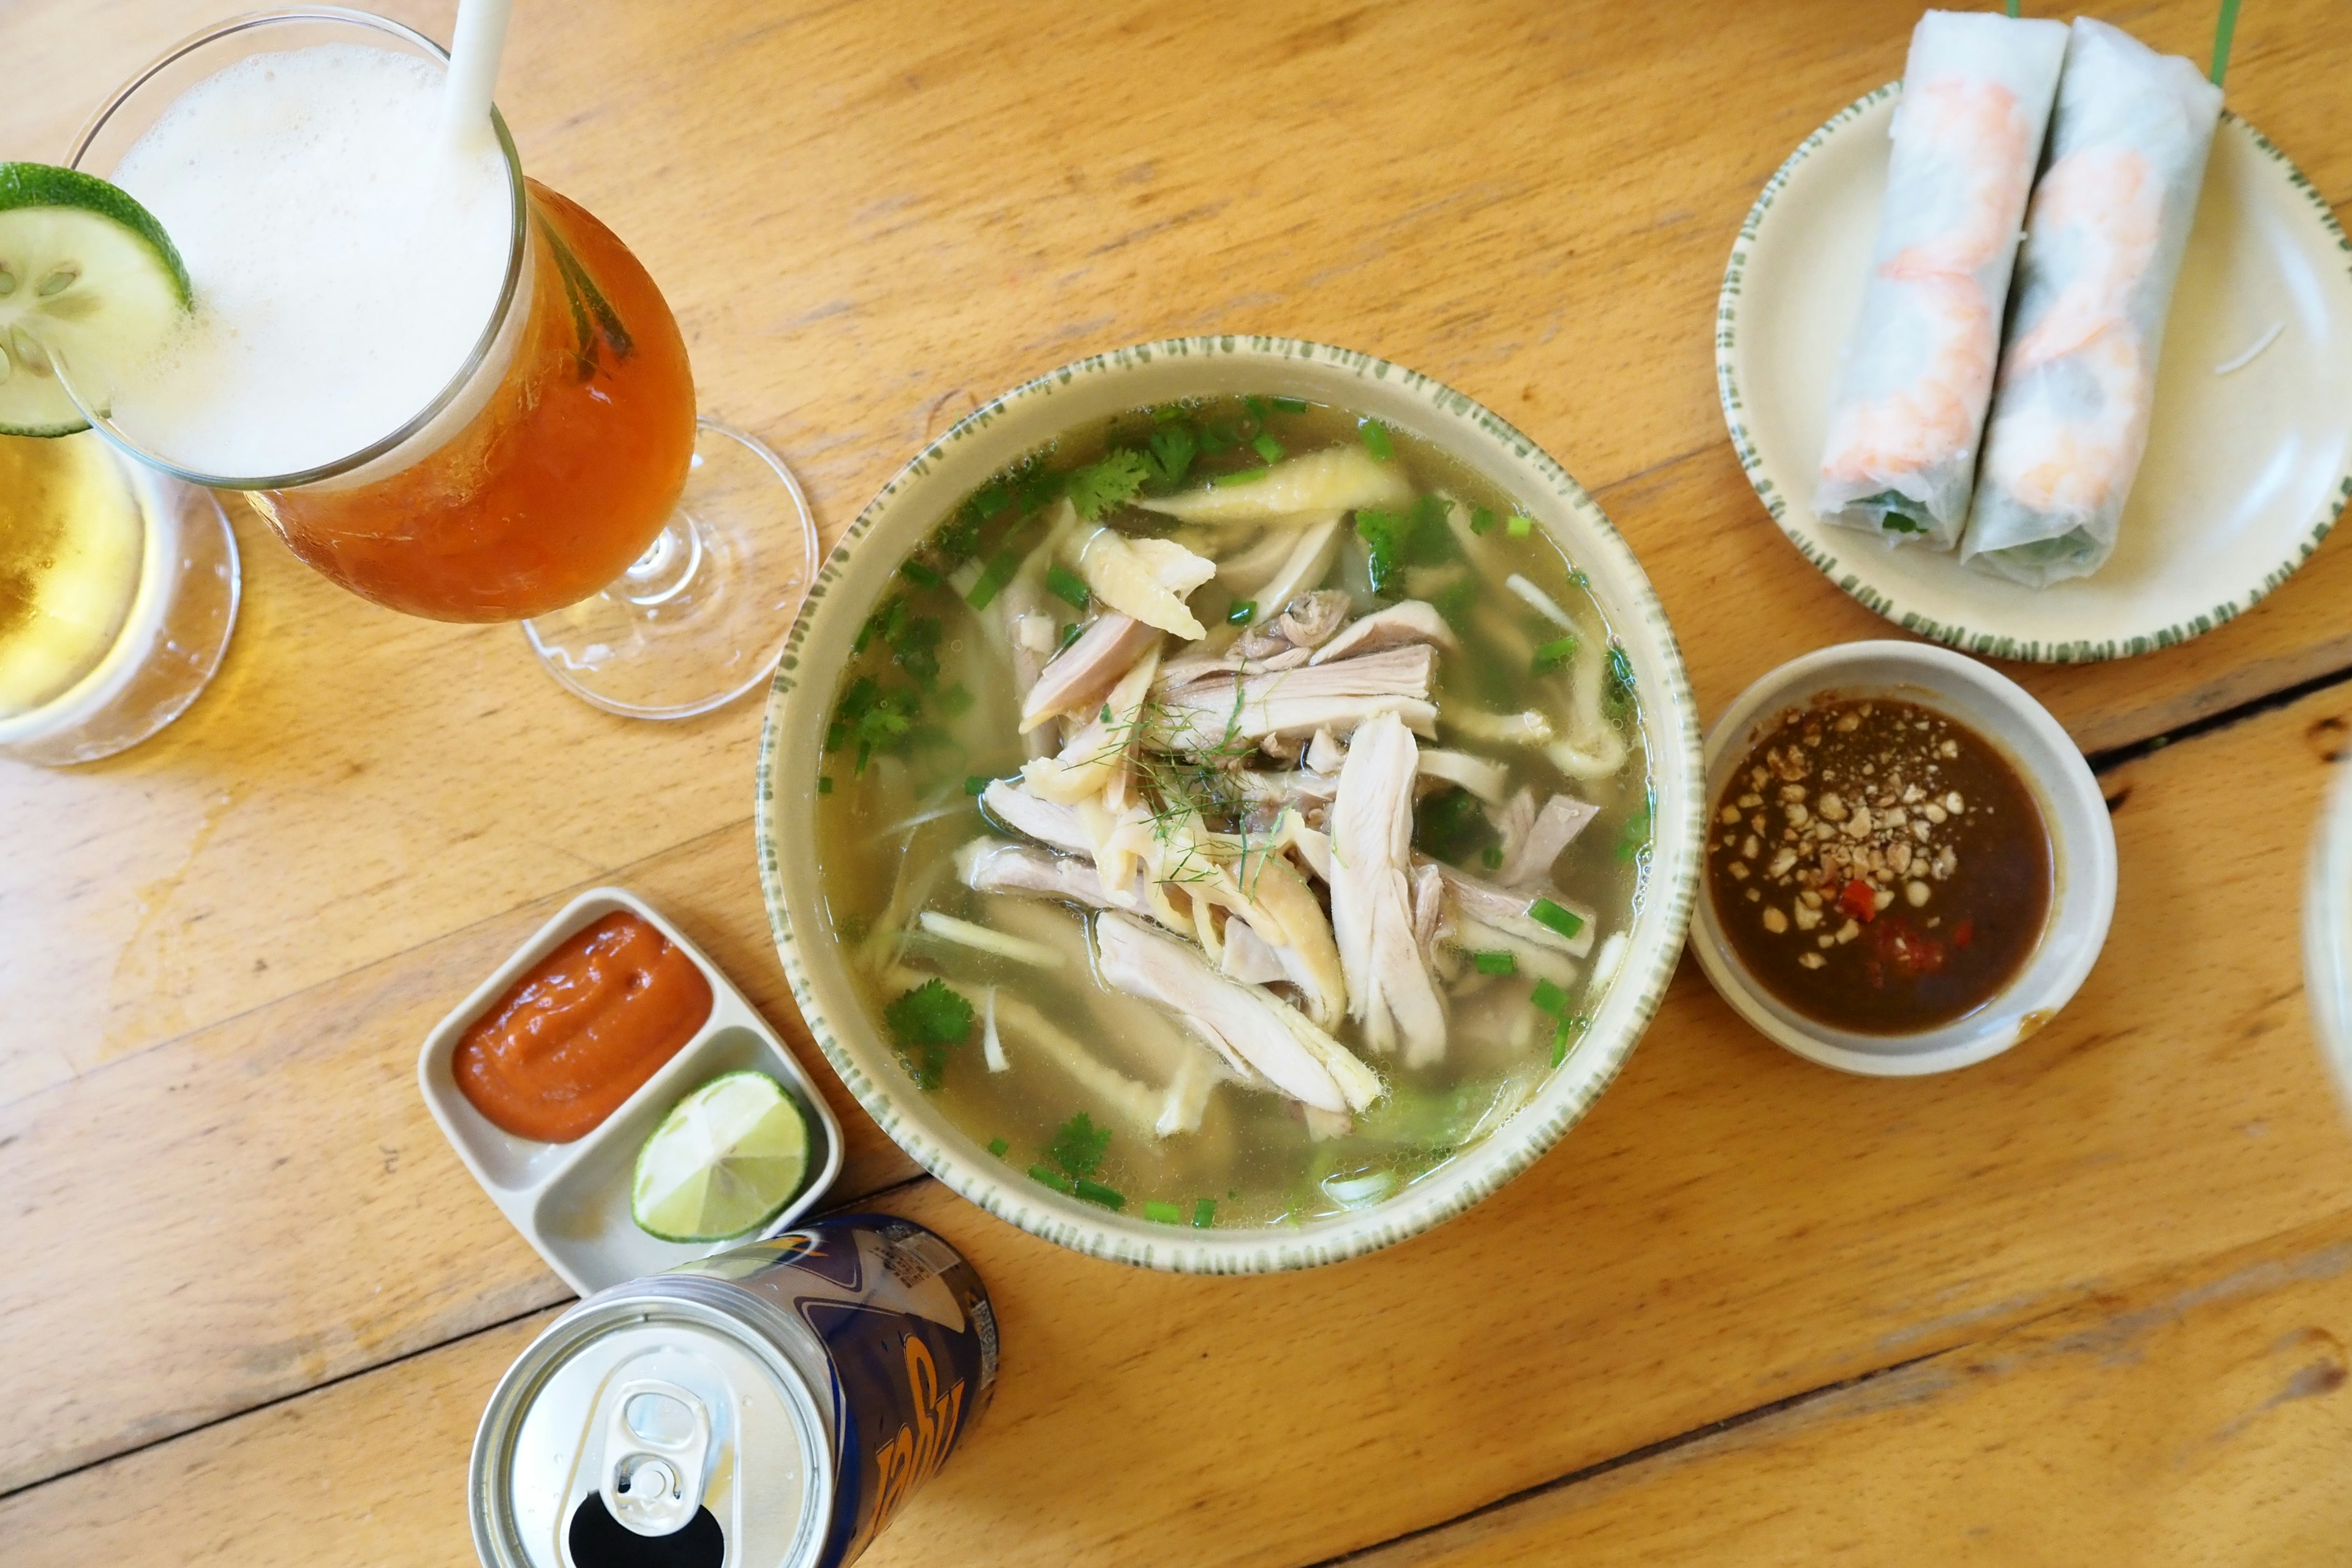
(1878, 866)
(1233, 812)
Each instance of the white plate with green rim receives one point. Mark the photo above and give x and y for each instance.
(2246, 471)
(914, 503)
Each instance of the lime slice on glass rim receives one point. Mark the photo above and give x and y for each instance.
(724, 1161)
(88, 279)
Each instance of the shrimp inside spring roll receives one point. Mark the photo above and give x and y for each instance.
(1918, 370)
(2103, 240)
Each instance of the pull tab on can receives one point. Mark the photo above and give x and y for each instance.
(656, 1456)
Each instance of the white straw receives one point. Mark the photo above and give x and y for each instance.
(474, 67)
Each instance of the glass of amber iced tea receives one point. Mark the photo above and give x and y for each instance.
(445, 387)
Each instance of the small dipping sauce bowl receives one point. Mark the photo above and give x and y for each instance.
(2082, 845)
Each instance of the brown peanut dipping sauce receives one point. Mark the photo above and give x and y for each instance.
(1878, 867)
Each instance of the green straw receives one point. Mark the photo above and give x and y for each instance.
(2222, 33)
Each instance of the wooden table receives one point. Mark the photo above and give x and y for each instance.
(2086, 1303)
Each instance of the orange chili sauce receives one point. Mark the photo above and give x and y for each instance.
(574, 1038)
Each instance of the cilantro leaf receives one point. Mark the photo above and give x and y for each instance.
(1078, 1146)
(925, 1022)
(1173, 448)
(1115, 480)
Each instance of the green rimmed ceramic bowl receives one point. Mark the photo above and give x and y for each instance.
(912, 504)
(2248, 459)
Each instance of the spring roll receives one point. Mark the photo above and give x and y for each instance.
(2102, 246)
(1919, 368)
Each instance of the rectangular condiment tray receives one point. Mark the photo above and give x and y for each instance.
(570, 1201)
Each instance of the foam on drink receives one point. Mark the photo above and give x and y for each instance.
(345, 259)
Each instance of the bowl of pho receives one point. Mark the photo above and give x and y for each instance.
(1229, 805)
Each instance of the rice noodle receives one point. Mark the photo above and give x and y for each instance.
(981, 939)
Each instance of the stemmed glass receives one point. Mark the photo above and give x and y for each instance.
(561, 477)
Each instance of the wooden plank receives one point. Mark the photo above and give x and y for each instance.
(2198, 1418)
(2192, 1416)
(861, 259)
(1730, 1226)
(332, 1228)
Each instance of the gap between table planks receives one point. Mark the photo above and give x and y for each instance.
(376, 775)
(2241, 1467)
(1729, 1227)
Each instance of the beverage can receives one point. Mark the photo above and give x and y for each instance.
(771, 1407)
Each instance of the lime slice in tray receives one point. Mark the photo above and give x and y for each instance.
(724, 1161)
(89, 280)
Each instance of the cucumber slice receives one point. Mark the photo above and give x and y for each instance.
(724, 1161)
(88, 279)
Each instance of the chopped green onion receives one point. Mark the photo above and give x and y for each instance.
(997, 1146)
(954, 700)
(1051, 1177)
(1168, 412)
(824, 783)
(1560, 1043)
(1518, 525)
(993, 576)
(1163, 1214)
(1482, 520)
(991, 502)
(1554, 655)
(1096, 1192)
(1068, 586)
(1204, 1214)
(1376, 439)
(977, 786)
(1240, 477)
(1491, 856)
(1266, 447)
(1494, 963)
(1291, 404)
(1242, 614)
(1543, 912)
(920, 575)
(1256, 405)
(1070, 633)
(1549, 998)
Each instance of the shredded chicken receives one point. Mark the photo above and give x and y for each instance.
(1410, 622)
(1390, 989)
(1025, 812)
(1208, 716)
(1254, 1031)
(1529, 861)
(1310, 619)
(1081, 674)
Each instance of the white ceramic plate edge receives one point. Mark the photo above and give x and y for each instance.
(1856, 565)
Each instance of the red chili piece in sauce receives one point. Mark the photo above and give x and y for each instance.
(574, 1038)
